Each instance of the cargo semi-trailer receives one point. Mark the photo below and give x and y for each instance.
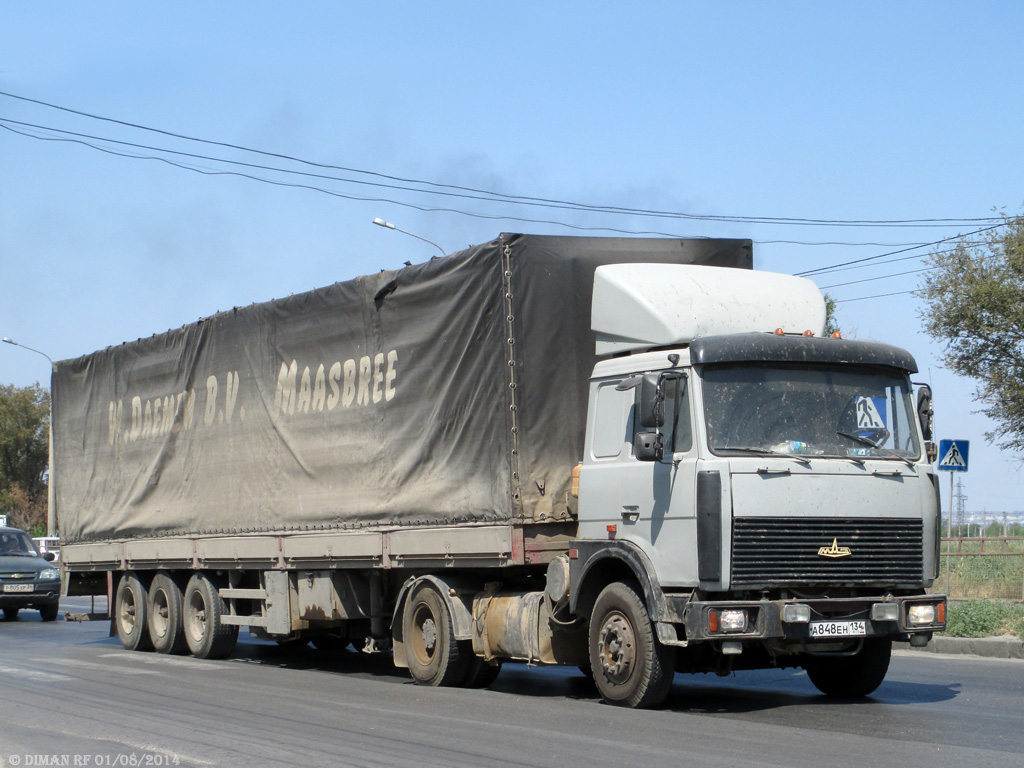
(634, 456)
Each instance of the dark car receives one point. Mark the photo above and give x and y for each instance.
(27, 579)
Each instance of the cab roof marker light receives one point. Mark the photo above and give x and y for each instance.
(837, 335)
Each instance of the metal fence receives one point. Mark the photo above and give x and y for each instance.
(982, 567)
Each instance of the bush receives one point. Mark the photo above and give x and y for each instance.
(983, 618)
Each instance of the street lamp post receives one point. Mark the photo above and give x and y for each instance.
(51, 519)
(388, 225)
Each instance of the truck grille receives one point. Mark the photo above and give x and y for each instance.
(781, 551)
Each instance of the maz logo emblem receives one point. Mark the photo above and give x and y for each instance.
(835, 550)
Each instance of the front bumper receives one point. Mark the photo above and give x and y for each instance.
(836, 618)
(43, 593)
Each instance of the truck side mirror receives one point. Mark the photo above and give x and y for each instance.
(648, 446)
(924, 410)
(652, 401)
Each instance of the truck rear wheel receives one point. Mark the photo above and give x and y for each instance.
(631, 668)
(166, 626)
(852, 676)
(431, 650)
(207, 636)
(130, 613)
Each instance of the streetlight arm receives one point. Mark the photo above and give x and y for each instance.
(388, 225)
(53, 365)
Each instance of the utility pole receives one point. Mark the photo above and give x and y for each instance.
(960, 503)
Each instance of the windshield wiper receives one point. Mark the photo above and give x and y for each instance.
(886, 452)
(767, 452)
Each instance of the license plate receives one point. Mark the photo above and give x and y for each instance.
(838, 629)
(17, 587)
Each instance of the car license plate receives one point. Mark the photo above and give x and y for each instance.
(838, 629)
(17, 587)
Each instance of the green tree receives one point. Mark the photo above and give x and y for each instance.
(974, 295)
(831, 323)
(24, 453)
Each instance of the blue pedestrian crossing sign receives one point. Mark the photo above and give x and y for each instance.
(953, 455)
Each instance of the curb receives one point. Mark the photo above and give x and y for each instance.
(1006, 647)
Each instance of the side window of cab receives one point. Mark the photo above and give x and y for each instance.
(613, 421)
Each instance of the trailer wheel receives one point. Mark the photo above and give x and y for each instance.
(630, 667)
(207, 636)
(431, 650)
(166, 626)
(130, 613)
(852, 676)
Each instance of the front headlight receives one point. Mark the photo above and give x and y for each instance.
(49, 574)
(921, 614)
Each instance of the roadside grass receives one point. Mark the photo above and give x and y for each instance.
(976, 576)
(984, 618)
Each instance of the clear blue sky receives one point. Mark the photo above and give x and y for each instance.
(866, 111)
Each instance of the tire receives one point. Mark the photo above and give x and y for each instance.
(166, 626)
(11, 614)
(130, 613)
(630, 667)
(49, 612)
(431, 650)
(207, 637)
(852, 676)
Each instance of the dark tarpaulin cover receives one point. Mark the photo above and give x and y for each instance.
(384, 400)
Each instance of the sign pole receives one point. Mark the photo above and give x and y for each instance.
(953, 457)
(949, 544)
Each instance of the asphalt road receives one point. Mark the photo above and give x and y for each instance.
(71, 695)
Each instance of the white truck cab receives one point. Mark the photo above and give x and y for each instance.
(773, 485)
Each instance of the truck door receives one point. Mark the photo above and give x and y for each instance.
(650, 503)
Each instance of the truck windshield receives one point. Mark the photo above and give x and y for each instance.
(824, 411)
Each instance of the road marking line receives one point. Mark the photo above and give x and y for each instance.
(93, 665)
(34, 674)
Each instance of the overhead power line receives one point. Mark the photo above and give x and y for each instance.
(874, 279)
(833, 267)
(47, 133)
(505, 197)
(877, 296)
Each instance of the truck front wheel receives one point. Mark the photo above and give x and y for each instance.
(431, 651)
(130, 613)
(852, 676)
(207, 636)
(631, 668)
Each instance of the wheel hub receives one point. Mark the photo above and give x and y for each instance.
(617, 648)
(429, 632)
